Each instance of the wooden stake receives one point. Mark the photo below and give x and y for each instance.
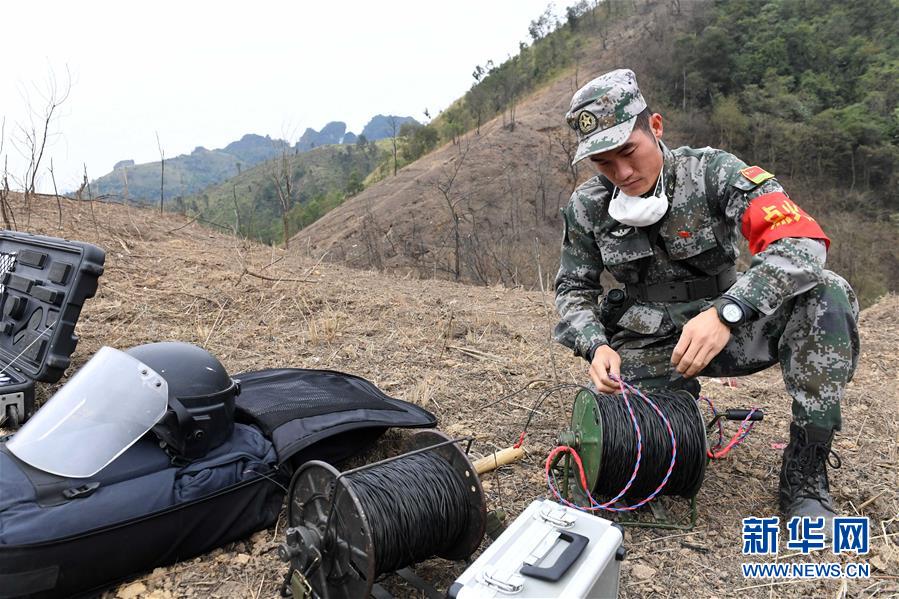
(499, 458)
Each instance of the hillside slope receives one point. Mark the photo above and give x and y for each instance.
(465, 353)
(250, 202)
(501, 189)
(485, 209)
(507, 190)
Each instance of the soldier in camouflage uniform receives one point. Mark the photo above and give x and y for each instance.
(666, 224)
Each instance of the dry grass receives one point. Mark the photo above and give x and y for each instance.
(455, 349)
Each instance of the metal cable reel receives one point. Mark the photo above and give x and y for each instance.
(587, 433)
(604, 447)
(347, 529)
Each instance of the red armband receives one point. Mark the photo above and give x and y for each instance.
(773, 216)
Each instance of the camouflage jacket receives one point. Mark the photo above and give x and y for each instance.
(714, 201)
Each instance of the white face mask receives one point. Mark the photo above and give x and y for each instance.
(639, 211)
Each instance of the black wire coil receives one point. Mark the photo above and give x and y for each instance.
(416, 507)
(619, 445)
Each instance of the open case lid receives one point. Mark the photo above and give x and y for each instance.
(43, 284)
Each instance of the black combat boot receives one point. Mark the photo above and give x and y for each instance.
(804, 488)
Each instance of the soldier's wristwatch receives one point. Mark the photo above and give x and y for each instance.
(730, 312)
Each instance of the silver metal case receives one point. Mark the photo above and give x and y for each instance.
(550, 550)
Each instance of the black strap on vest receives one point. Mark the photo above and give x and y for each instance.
(685, 291)
(652, 233)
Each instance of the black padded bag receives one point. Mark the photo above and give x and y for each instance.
(65, 537)
(60, 536)
(299, 408)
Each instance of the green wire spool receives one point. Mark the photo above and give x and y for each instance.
(585, 436)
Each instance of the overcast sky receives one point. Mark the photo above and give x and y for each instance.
(206, 73)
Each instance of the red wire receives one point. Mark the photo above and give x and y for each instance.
(735, 440)
(520, 440)
(570, 450)
(595, 505)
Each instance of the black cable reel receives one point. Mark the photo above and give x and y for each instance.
(602, 435)
(345, 530)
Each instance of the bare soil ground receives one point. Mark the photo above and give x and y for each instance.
(455, 349)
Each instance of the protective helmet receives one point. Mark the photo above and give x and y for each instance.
(200, 413)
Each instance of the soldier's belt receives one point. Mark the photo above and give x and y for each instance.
(685, 291)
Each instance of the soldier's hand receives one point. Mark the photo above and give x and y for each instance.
(703, 337)
(606, 361)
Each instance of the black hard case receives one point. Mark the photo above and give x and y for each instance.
(45, 282)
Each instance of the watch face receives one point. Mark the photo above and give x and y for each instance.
(732, 313)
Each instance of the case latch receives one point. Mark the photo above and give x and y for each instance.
(557, 516)
(507, 582)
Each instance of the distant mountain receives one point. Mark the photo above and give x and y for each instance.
(332, 133)
(382, 127)
(379, 127)
(320, 179)
(252, 149)
(188, 174)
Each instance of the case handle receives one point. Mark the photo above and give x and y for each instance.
(576, 545)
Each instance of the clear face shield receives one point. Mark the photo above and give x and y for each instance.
(110, 403)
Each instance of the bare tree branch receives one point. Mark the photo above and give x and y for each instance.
(393, 130)
(33, 139)
(90, 198)
(280, 175)
(52, 103)
(452, 199)
(236, 211)
(56, 194)
(161, 173)
(9, 220)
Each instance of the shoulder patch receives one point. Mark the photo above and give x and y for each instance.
(756, 174)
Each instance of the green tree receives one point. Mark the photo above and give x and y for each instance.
(354, 183)
(417, 140)
(729, 119)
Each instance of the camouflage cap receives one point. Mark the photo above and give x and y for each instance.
(604, 111)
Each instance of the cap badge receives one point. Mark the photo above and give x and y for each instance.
(586, 122)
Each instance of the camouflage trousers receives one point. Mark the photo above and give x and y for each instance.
(814, 337)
